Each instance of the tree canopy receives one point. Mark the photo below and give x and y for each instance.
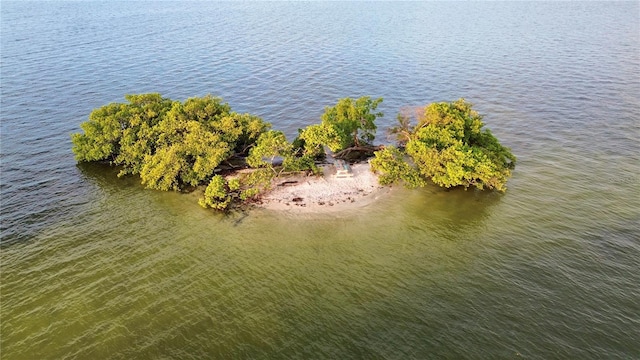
(175, 145)
(273, 150)
(170, 144)
(349, 123)
(448, 147)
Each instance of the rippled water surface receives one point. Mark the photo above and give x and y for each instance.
(95, 267)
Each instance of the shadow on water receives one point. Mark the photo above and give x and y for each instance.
(55, 199)
(106, 177)
(451, 212)
(128, 190)
(74, 196)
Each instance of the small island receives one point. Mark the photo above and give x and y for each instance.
(241, 161)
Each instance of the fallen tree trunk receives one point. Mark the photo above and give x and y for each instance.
(361, 150)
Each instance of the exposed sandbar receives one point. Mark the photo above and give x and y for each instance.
(325, 193)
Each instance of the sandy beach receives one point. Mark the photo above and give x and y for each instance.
(326, 193)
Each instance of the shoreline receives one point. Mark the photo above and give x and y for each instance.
(326, 193)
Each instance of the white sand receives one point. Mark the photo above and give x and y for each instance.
(325, 193)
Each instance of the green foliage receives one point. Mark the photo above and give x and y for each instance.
(353, 120)
(402, 132)
(121, 133)
(315, 136)
(391, 164)
(255, 183)
(348, 123)
(217, 195)
(273, 144)
(270, 145)
(222, 194)
(300, 163)
(252, 127)
(168, 143)
(449, 147)
(192, 140)
(173, 145)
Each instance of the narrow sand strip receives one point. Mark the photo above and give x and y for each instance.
(325, 193)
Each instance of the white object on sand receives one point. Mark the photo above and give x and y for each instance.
(343, 170)
(326, 193)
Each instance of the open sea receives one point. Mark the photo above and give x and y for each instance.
(96, 267)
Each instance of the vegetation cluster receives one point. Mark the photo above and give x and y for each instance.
(175, 145)
(447, 146)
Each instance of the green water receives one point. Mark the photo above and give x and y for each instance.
(95, 267)
(422, 273)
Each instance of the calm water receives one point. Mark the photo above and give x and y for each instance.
(95, 267)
